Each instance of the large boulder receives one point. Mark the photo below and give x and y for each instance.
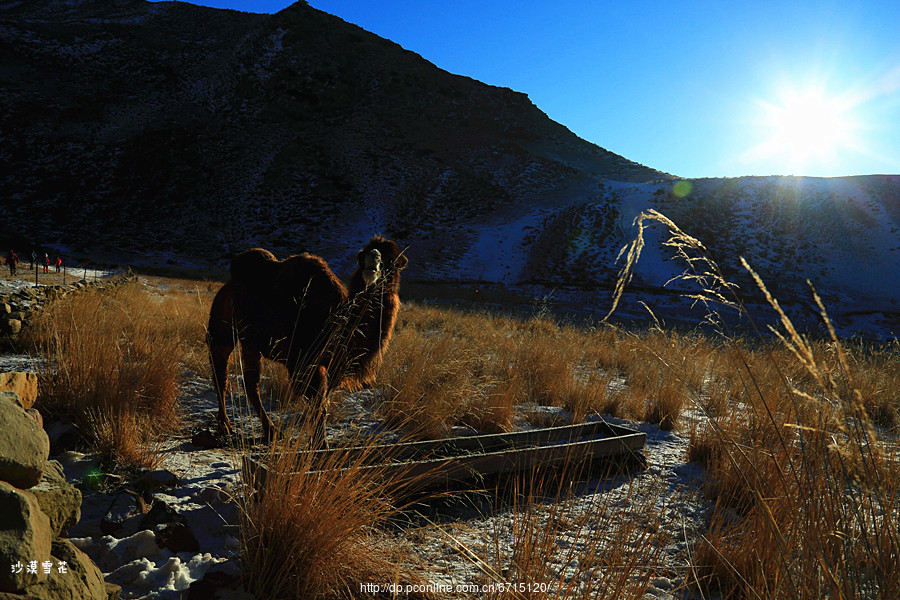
(24, 446)
(82, 580)
(24, 384)
(58, 499)
(25, 536)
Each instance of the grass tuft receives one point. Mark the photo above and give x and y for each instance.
(315, 528)
(113, 359)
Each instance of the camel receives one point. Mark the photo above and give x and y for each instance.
(297, 312)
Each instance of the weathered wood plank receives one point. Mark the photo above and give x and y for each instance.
(481, 443)
(424, 464)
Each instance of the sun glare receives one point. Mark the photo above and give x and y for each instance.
(806, 128)
(809, 125)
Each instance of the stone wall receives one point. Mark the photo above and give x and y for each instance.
(18, 308)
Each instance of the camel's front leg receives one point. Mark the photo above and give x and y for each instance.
(252, 360)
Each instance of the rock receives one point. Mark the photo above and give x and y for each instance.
(58, 499)
(5, 596)
(113, 591)
(12, 326)
(24, 447)
(123, 511)
(205, 439)
(36, 415)
(161, 513)
(12, 397)
(24, 384)
(63, 437)
(662, 583)
(213, 586)
(220, 581)
(81, 581)
(177, 537)
(24, 537)
(156, 479)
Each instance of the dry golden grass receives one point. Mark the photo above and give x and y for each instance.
(113, 359)
(805, 485)
(447, 368)
(805, 470)
(798, 438)
(431, 380)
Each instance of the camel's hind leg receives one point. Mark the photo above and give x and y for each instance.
(252, 360)
(220, 339)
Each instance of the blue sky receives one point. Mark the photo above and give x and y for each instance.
(694, 88)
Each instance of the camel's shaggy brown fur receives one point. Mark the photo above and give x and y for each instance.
(296, 311)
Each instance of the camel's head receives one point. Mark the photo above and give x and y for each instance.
(371, 267)
(380, 258)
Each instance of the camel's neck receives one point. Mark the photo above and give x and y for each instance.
(375, 305)
(373, 311)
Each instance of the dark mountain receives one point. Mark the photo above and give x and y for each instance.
(134, 130)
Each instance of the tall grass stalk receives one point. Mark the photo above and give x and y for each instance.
(805, 491)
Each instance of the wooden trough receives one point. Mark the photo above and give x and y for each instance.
(451, 461)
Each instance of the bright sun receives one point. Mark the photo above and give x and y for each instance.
(808, 124)
(805, 128)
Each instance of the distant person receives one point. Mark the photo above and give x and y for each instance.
(58, 264)
(11, 261)
(33, 260)
(46, 263)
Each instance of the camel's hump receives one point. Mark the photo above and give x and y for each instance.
(253, 266)
(258, 269)
(309, 275)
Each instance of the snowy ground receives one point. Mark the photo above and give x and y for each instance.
(191, 485)
(195, 486)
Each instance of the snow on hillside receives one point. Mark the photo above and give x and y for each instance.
(841, 234)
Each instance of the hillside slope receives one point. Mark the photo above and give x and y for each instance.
(155, 129)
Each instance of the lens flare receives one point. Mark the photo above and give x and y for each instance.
(682, 188)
